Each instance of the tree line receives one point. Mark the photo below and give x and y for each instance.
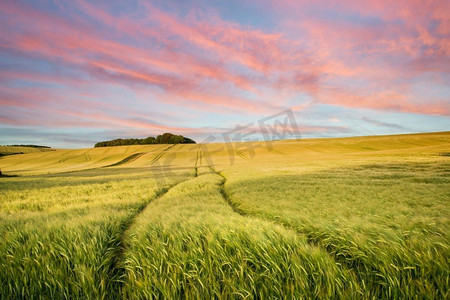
(166, 138)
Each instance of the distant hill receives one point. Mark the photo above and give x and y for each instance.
(166, 138)
(31, 146)
(22, 149)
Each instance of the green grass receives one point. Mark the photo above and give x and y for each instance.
(357, 218)
(387, 222)
(61, 235)
(190, 243)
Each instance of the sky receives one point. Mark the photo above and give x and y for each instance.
(73, 73)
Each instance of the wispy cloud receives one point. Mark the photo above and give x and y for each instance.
(383, 124)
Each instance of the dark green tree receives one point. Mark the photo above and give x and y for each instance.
(165, 138)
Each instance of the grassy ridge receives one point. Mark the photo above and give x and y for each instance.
(387, 222)
(70, 160)
(60, 160)
(10, 150)
(310, 151)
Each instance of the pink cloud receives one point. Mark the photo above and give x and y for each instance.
(135, 64)
(388, 100)
(202, 62)
(73, 118)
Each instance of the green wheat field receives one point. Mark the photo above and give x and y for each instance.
(343, 218)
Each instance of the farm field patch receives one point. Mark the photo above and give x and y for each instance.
(361, 218)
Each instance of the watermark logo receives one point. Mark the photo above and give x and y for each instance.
(278, 126)
(163, 170)
(237, 141)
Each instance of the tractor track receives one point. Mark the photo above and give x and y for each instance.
(196, 163)
(157, 157)
(341, 262)
(116, 267)
(126, 160)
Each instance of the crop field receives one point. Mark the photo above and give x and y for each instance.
(10, 150)
(352, 218)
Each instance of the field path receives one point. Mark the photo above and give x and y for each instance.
(340, 262)
(117, 270)
(225, 195)
(126, 160)
(196, 162)
(157, 157)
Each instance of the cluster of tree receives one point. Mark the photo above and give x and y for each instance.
(166, 138)
(33, 146)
